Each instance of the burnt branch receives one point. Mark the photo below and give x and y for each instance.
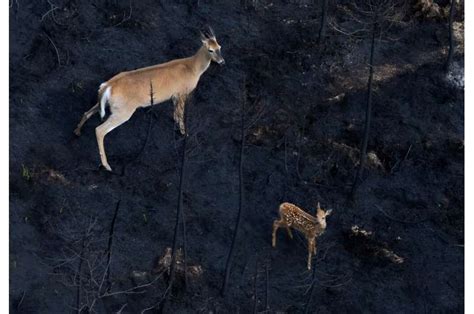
(241, 194)
(374, 18)
(368, 113)
(311, 291)
(109, 245)
(356, 19)
(255, 281)
(267, 304)
(322, 26)
(179, 212)
(55, 48)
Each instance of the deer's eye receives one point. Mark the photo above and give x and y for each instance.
(211, 51)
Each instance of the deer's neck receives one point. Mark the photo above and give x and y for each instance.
(202, 59)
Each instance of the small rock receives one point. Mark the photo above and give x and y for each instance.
(140, 277)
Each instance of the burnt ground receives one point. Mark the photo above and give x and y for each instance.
(69, 219)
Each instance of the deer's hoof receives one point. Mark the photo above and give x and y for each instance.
(107, 167)
(77, 132)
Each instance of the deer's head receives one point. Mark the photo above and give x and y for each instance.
(209, 41)
(321, 215)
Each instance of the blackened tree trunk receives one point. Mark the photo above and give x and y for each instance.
(109, 246)
(368, 111)
(322, 27)
(255, 280)
(179, 211)
(241, 198)
(311, 292)
(267, 304)
(451, 37)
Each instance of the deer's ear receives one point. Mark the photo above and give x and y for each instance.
(329, 212)
(318, 206)
(203, 38)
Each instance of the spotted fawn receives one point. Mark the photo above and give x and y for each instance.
(291, 216)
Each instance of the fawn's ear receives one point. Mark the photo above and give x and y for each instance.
(328, 212)
(318, 206)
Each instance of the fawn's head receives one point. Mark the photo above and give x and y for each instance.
(209, 41)
(321, 215)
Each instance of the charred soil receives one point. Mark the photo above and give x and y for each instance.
(81, 237)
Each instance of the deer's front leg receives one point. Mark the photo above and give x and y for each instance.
(179, 102)
(311, 250)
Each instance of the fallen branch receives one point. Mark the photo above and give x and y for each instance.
(55, 48)
(53, 8)
(21, 300)
(121, 309)
(125, 19)
(133, 289)
(399, 220)
(399, 162)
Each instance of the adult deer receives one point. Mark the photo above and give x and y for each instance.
(291, 216)
(127, 91)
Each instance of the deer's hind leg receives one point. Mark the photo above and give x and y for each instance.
(115, 119)
(86, 116)
(277, 224)
(288, 229)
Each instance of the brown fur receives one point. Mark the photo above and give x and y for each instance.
(132, 89)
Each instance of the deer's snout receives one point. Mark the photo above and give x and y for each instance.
(219, 59)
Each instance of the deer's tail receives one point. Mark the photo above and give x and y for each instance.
(104, 95)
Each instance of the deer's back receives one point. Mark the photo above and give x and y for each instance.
(164, 81)
(297, 218)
